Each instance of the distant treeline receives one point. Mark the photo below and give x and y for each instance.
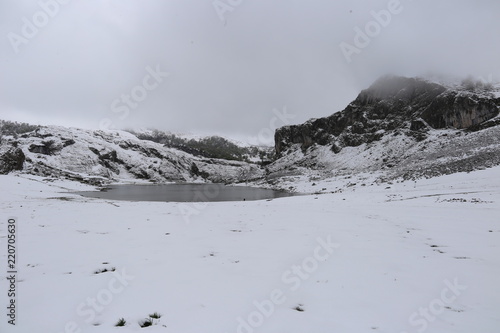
(15, 128)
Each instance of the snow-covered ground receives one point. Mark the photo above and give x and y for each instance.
(409, 257)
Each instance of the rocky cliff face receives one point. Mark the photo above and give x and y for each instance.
(408, 105)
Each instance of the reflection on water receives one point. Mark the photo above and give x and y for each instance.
(185, 193)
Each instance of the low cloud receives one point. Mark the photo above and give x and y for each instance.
(227, 76)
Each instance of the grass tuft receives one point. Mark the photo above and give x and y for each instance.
(104, 270)
(155, 315)
(121, 322)
(146, 323)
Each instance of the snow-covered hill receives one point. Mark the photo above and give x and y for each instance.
(115, 155)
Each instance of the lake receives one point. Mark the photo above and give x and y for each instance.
(185, 193)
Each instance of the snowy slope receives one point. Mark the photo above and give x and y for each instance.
(117, 156)
(396, 156)
(411, 257)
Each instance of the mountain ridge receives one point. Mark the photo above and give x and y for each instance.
(393, 103)
(402, 127)
(399, 128)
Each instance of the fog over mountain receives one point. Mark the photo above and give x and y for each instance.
(226, 67)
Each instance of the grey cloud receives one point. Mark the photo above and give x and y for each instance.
(227, 77)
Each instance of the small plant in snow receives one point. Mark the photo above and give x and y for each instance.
(104, 270)
(146, 323)
(153, 319)
(155, 315)
(121, 322)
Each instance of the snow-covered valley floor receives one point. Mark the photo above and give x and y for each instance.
(407, 257)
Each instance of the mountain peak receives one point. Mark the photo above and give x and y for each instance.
(410, 105)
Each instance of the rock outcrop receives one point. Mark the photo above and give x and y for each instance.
(12, 160)
(409, 105)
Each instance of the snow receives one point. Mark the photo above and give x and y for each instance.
(78, 152)
(496, 90)
(403, 248)
(391, 158)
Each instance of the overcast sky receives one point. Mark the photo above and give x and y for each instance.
(230, 63)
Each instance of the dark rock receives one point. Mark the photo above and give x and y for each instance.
(459, 110)
(392, 104)
(112, 156)
(45, 148)
(95, 151)
(93, 181)
(150, 152)
(153, 152)
(125, 144)
(335, 148)
(12, 160)
(140, 173)
(68, 142)
(196, 171)
(418, 135)
(418, 124)
(109, 160)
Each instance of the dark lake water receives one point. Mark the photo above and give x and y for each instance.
(185, 193)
